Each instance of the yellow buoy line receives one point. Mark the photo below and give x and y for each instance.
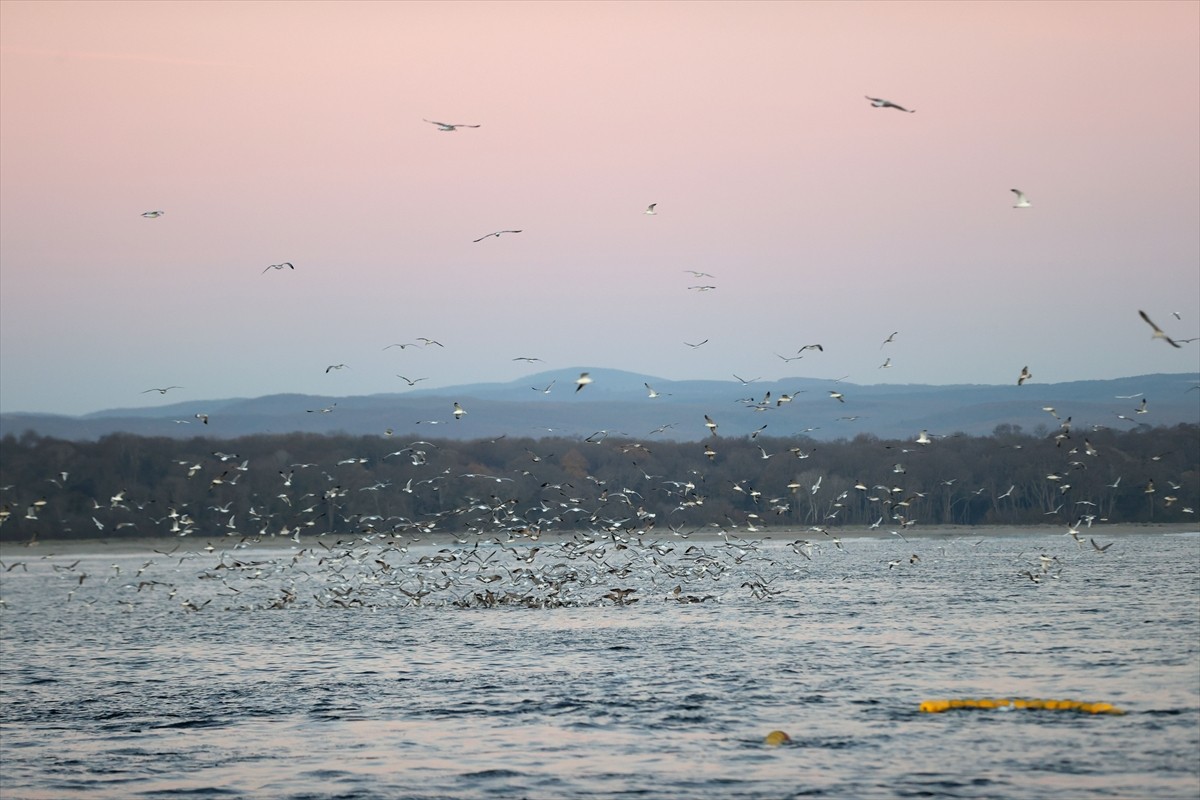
(938, 706)
(777, 738)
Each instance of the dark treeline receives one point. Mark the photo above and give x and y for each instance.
(131, 486)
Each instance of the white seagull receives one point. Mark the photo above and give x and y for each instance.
(1022, 200)
(494, 233)
(879, 102)
(650, 209)
(153, 214)
(446, 126)
(458, 411)
(1158, 333)
(1024, 376)
(284, 265)
(583, 380)
(163, 390)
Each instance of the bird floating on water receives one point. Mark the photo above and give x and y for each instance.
(494, 233)
(879, 102)
(448, 126)
(1022, 200)
(1158, 332)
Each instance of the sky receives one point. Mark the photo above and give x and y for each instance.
(273, 132)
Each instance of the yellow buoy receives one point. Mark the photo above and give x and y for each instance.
(776, 738)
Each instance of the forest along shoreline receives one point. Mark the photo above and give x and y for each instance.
(281, 486)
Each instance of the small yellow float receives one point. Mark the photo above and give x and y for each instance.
(776, 738)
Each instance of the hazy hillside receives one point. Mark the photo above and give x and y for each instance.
(619, 402)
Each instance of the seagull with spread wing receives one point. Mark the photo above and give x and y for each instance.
(1158, 332)
(449, 127)
(879, 102)
(497, 234)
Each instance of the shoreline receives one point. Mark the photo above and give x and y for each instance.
(782, 534)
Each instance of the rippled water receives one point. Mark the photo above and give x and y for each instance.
(352, 690)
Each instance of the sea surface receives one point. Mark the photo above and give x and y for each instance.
(575, 667)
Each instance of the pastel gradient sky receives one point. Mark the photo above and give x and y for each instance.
(274, 132)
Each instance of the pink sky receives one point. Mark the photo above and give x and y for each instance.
(293, 131)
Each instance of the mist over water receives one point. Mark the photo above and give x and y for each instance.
(356, 689)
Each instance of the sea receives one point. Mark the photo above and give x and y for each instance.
(615, 664)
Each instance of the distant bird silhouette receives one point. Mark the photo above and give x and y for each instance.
(447, 126)
(163, 390)
(284, 265)
(1024, 376)
(153, 214)
(494, 233)
(1022, 201)
(650, 209)
(879, 102)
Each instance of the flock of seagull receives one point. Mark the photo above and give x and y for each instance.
(500, 554)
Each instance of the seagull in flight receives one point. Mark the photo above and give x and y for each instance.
(153, 214)
(458, 411)
(162, 391)
(879, 102)
(583, 380)
(650, 209)
(697, 344)
(1022, 200)
(889, 339)
(698, 274)
(1158, 333)
(447, 126)
(411, 381)
(284, 265)
(494, 233)
(334, 366)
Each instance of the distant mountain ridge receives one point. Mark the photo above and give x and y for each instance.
(619, 403)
